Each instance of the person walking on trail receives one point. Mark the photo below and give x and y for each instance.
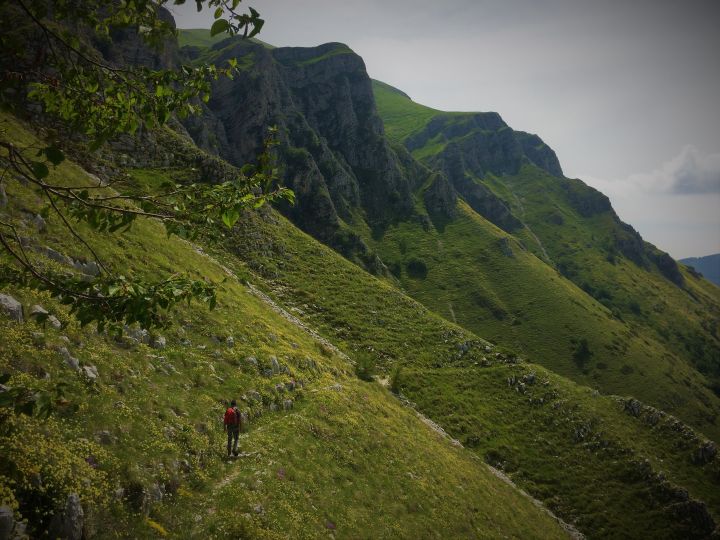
(232, 426)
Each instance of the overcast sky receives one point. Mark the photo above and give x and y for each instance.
(627, 92)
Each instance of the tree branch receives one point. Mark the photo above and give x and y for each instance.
(76, 235)
(25, 263)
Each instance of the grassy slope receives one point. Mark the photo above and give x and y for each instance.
(522, 303)
(402, 116)
(684, 321)
(649, 353)
(351, 458)
(329, 462)
(593, 486)
(554, 437)
(200, 37)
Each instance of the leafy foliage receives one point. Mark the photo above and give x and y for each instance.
(582, 352)
(93, 98)
(396, 379)
(38, 403)
(365, 367)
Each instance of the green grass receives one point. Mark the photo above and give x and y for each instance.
(487, 282)
(368, 440)
(555, 438)
(401, 115)
(362, 314)
(350, 458)
(230, 50)
(338, 50)
(685, 319)
(355, 310)
(198, 37)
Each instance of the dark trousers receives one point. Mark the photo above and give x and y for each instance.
(233, 433)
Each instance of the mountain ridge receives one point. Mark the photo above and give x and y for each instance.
(708, 266)
(354, 189)
(326, 448)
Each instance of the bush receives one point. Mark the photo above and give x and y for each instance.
(365, 367)
(582, 353)
(395, 379)
(395, 269)
(417, 269)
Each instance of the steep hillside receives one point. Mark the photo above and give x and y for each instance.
(582, 453)
(485, 280)
(449, 395)
(434, 227)
(641, 285)
(344, 451)
(135, 449)
(660, 323)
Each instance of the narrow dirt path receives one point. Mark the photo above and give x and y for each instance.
(297, 322)
(569, 529)
(274, 306)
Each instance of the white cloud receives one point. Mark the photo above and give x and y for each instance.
(676, 207)
(688, 173)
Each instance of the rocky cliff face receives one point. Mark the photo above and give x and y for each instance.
(333, 149)
(486, 144)
(476, 144)
(440, 198)
(336, 158)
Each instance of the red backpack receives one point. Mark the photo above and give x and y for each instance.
(232, 417)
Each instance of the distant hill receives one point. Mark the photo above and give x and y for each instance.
(708, 266)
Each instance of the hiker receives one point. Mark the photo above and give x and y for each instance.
(232, 426)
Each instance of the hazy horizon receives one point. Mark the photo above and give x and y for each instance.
(627, 95)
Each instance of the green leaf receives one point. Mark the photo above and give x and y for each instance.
(218, 13)
(41, 317)
(40, 170)
(219, 26)
(25, 408)
(7, 398)
(230, 217)
(113, 289)
(54, 155)
(256, 28)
